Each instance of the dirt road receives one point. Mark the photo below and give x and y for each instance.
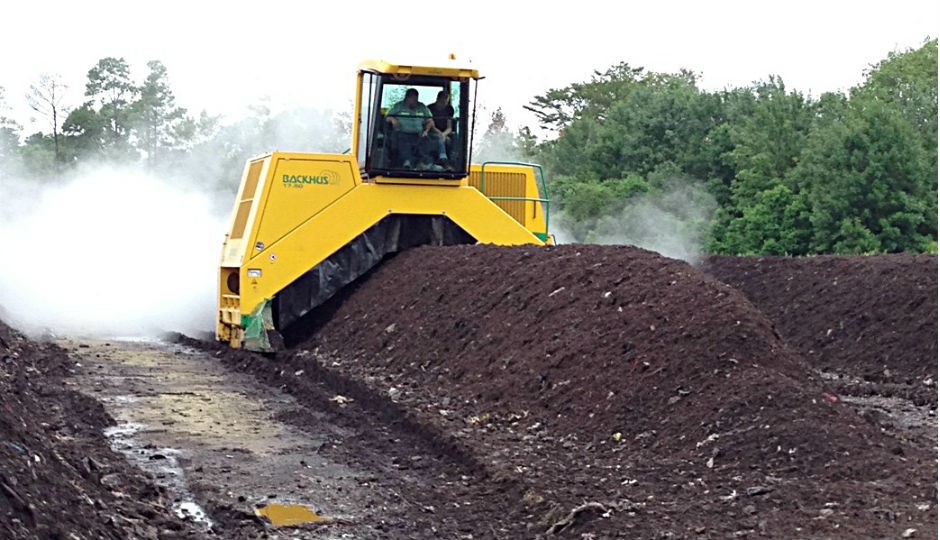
(213, 438)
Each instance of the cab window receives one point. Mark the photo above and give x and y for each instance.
(421, 128)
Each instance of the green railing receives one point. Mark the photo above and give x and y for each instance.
(540, 185)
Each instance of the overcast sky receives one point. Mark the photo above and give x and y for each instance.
(222, 56)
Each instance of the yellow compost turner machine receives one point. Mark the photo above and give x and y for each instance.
(306, 225)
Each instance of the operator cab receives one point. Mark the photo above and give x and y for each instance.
(401, 114)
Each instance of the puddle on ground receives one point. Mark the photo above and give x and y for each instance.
(117, 434)
(138, 339)
(124, 400)
(288, 515)
(191, 510)
(162, 464)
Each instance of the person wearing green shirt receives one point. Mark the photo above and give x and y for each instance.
(412, 120)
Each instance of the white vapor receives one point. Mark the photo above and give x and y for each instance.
(111, 251)
(673, 222)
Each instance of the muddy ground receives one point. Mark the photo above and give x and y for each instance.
(475, 392)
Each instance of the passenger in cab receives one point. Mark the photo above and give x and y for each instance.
(412, 120)
(443, 115)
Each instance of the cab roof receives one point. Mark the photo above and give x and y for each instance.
(381, 66)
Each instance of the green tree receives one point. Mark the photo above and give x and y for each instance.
(868, 183)
(39, 157)
(566, 155)
(105, 119)
(852, 238)
(583, 204)
(776, 223)
(560, 107)
(160, 125)
(768, 141)
(758, 208)
(584, 200)
(84, 132)
(908, 79)
(715, 161)
(663, 119)
(665, 122)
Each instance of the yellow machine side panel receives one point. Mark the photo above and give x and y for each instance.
(249, 194)
(514, 189)
(336, 225)
(300, 186)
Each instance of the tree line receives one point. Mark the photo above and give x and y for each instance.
(781, 173)
(758, 170)
(121, 121)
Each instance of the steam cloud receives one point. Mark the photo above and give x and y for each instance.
(672, 222)
(112, 251)
(125, 251)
